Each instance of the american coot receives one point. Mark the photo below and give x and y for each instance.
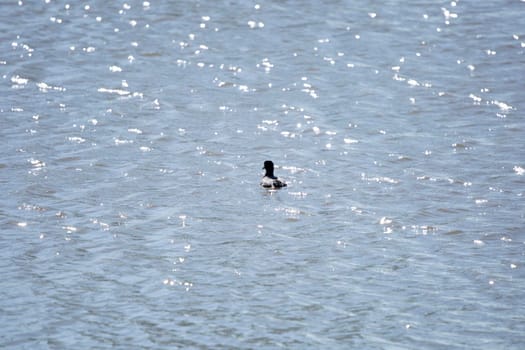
(270, 180)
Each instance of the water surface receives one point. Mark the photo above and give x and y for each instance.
(133, 136)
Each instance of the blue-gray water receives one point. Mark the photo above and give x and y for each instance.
(132, 138)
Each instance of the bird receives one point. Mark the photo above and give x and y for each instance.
(269, 180)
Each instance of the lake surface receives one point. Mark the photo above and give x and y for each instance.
(133, 134)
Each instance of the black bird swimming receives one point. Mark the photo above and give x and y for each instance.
(270, 180)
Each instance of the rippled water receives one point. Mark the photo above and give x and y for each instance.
(133, 136)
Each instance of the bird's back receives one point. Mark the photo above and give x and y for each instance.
(269, 182)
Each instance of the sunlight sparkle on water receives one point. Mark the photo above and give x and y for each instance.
(397, 128)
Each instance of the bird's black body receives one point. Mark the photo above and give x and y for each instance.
(270, 180)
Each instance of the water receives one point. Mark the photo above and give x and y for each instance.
(133, 136)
